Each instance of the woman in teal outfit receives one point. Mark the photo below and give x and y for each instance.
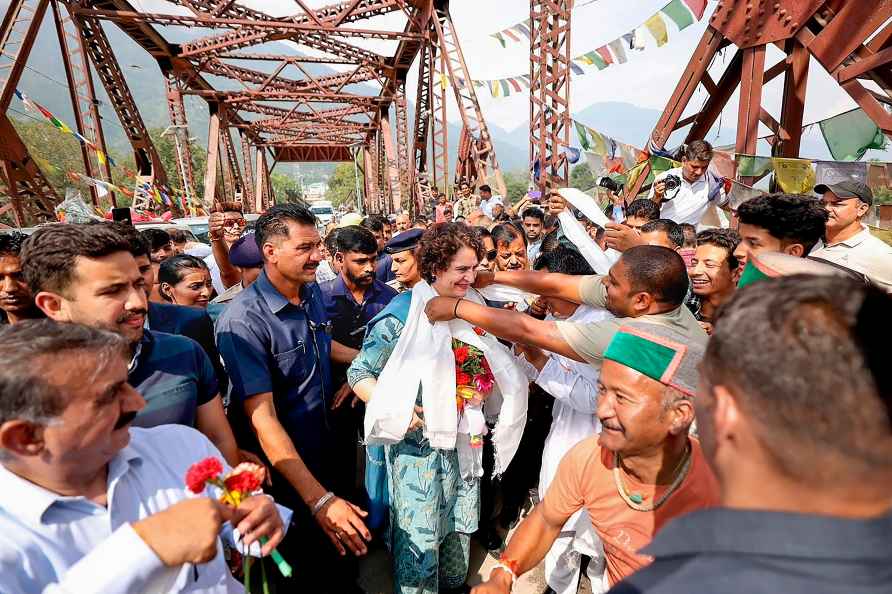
(433, 511)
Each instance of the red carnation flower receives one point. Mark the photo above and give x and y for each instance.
(461, 354)
(243, 482)
(462, 378)
(201, 472)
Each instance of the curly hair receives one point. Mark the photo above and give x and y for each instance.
(791, 218)
(11, 243)
(441, 242)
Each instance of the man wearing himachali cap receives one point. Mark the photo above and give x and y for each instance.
(641, 471)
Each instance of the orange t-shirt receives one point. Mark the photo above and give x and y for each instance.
(585, 479)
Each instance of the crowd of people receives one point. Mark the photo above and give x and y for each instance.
(668, 395)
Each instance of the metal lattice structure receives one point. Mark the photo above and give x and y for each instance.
(851, 39)
(304, 87)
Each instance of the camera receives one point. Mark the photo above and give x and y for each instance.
(610, 185)
(671, 184)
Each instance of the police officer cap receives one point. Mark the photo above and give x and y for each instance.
(245, 253)
(407, 240)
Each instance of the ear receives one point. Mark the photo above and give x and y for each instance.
(21, 437)
(339, 257)
(682, 416)
(642, 301)
(166, 290)
(862, 208)
(51, 304)
(269, 252)
(727, 417)
(796, 249)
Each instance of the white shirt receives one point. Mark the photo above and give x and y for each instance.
(533, 250)
(691, 202)
(486, 205)
(574, 386)
(52, 544)
(863, 253)
(216, 279)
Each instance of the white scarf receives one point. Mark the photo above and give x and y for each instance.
(597, 258)
(423, 355)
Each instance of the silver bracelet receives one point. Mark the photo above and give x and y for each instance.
(320, 503)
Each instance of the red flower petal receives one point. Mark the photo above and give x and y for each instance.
(200, 472)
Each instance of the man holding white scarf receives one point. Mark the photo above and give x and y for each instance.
(406, 374)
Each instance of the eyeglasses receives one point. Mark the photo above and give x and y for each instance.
(234, 223)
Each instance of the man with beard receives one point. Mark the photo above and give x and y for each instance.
(533, 226)
(274, 338)
(848, 241)
(91, 505)
(16, 303)
(87, 274)
(351, 300)
(639, 473)
(805, 505)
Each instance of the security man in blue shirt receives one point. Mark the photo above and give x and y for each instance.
(274, 338)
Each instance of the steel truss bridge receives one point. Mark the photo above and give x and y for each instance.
(266, 106)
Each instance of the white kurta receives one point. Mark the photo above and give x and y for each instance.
(574, 386)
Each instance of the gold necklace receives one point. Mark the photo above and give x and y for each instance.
(635, 500)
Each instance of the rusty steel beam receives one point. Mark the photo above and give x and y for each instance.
(83, 99)
(402, 150)
(106, 65)
(391, 164)
(29, 196)
(482, 151)
(439, 124)
(550, 89)
(176, 112)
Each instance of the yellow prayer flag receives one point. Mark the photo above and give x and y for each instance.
(794, 176)
(100, 156)
(657, 28)
(599, 145)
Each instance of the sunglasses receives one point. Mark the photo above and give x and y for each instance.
(234, 223)
(492, 254)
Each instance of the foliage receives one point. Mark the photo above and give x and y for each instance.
(581, 177)
(882, 195)
(342, 185)
(516, 183)
(167, 152)
(286, 188)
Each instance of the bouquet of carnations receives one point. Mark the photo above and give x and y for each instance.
(473, 383)
(240, 483)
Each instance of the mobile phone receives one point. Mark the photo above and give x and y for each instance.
(122, 215)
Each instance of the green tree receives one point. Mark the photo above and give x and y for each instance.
(581, 177)
(286, 188)
(167, 152)
(516, 182)
(342, 185)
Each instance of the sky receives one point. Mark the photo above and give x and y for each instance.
(647, 80)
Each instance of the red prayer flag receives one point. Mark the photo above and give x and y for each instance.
(605, 53)
(514, 84)
(697, 7)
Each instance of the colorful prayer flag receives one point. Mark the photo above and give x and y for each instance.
(605, 54)
(498, 37)
(657, 28)
(679, 13)
(582, 133)
(698, 7)
(849, 135)
(619, 52)
(752, 166)
(795, 176)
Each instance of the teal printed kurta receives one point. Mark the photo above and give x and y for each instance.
(432, 510)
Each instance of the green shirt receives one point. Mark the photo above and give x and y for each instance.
(590, 340)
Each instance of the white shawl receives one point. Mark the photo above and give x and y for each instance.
(597, 258)
(423, 355)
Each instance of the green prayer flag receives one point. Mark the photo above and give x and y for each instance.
(679, 13)
(498, 37)
(506, 90)
(596, 59)
(850, 134)
(751, 166)
(582, 133)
